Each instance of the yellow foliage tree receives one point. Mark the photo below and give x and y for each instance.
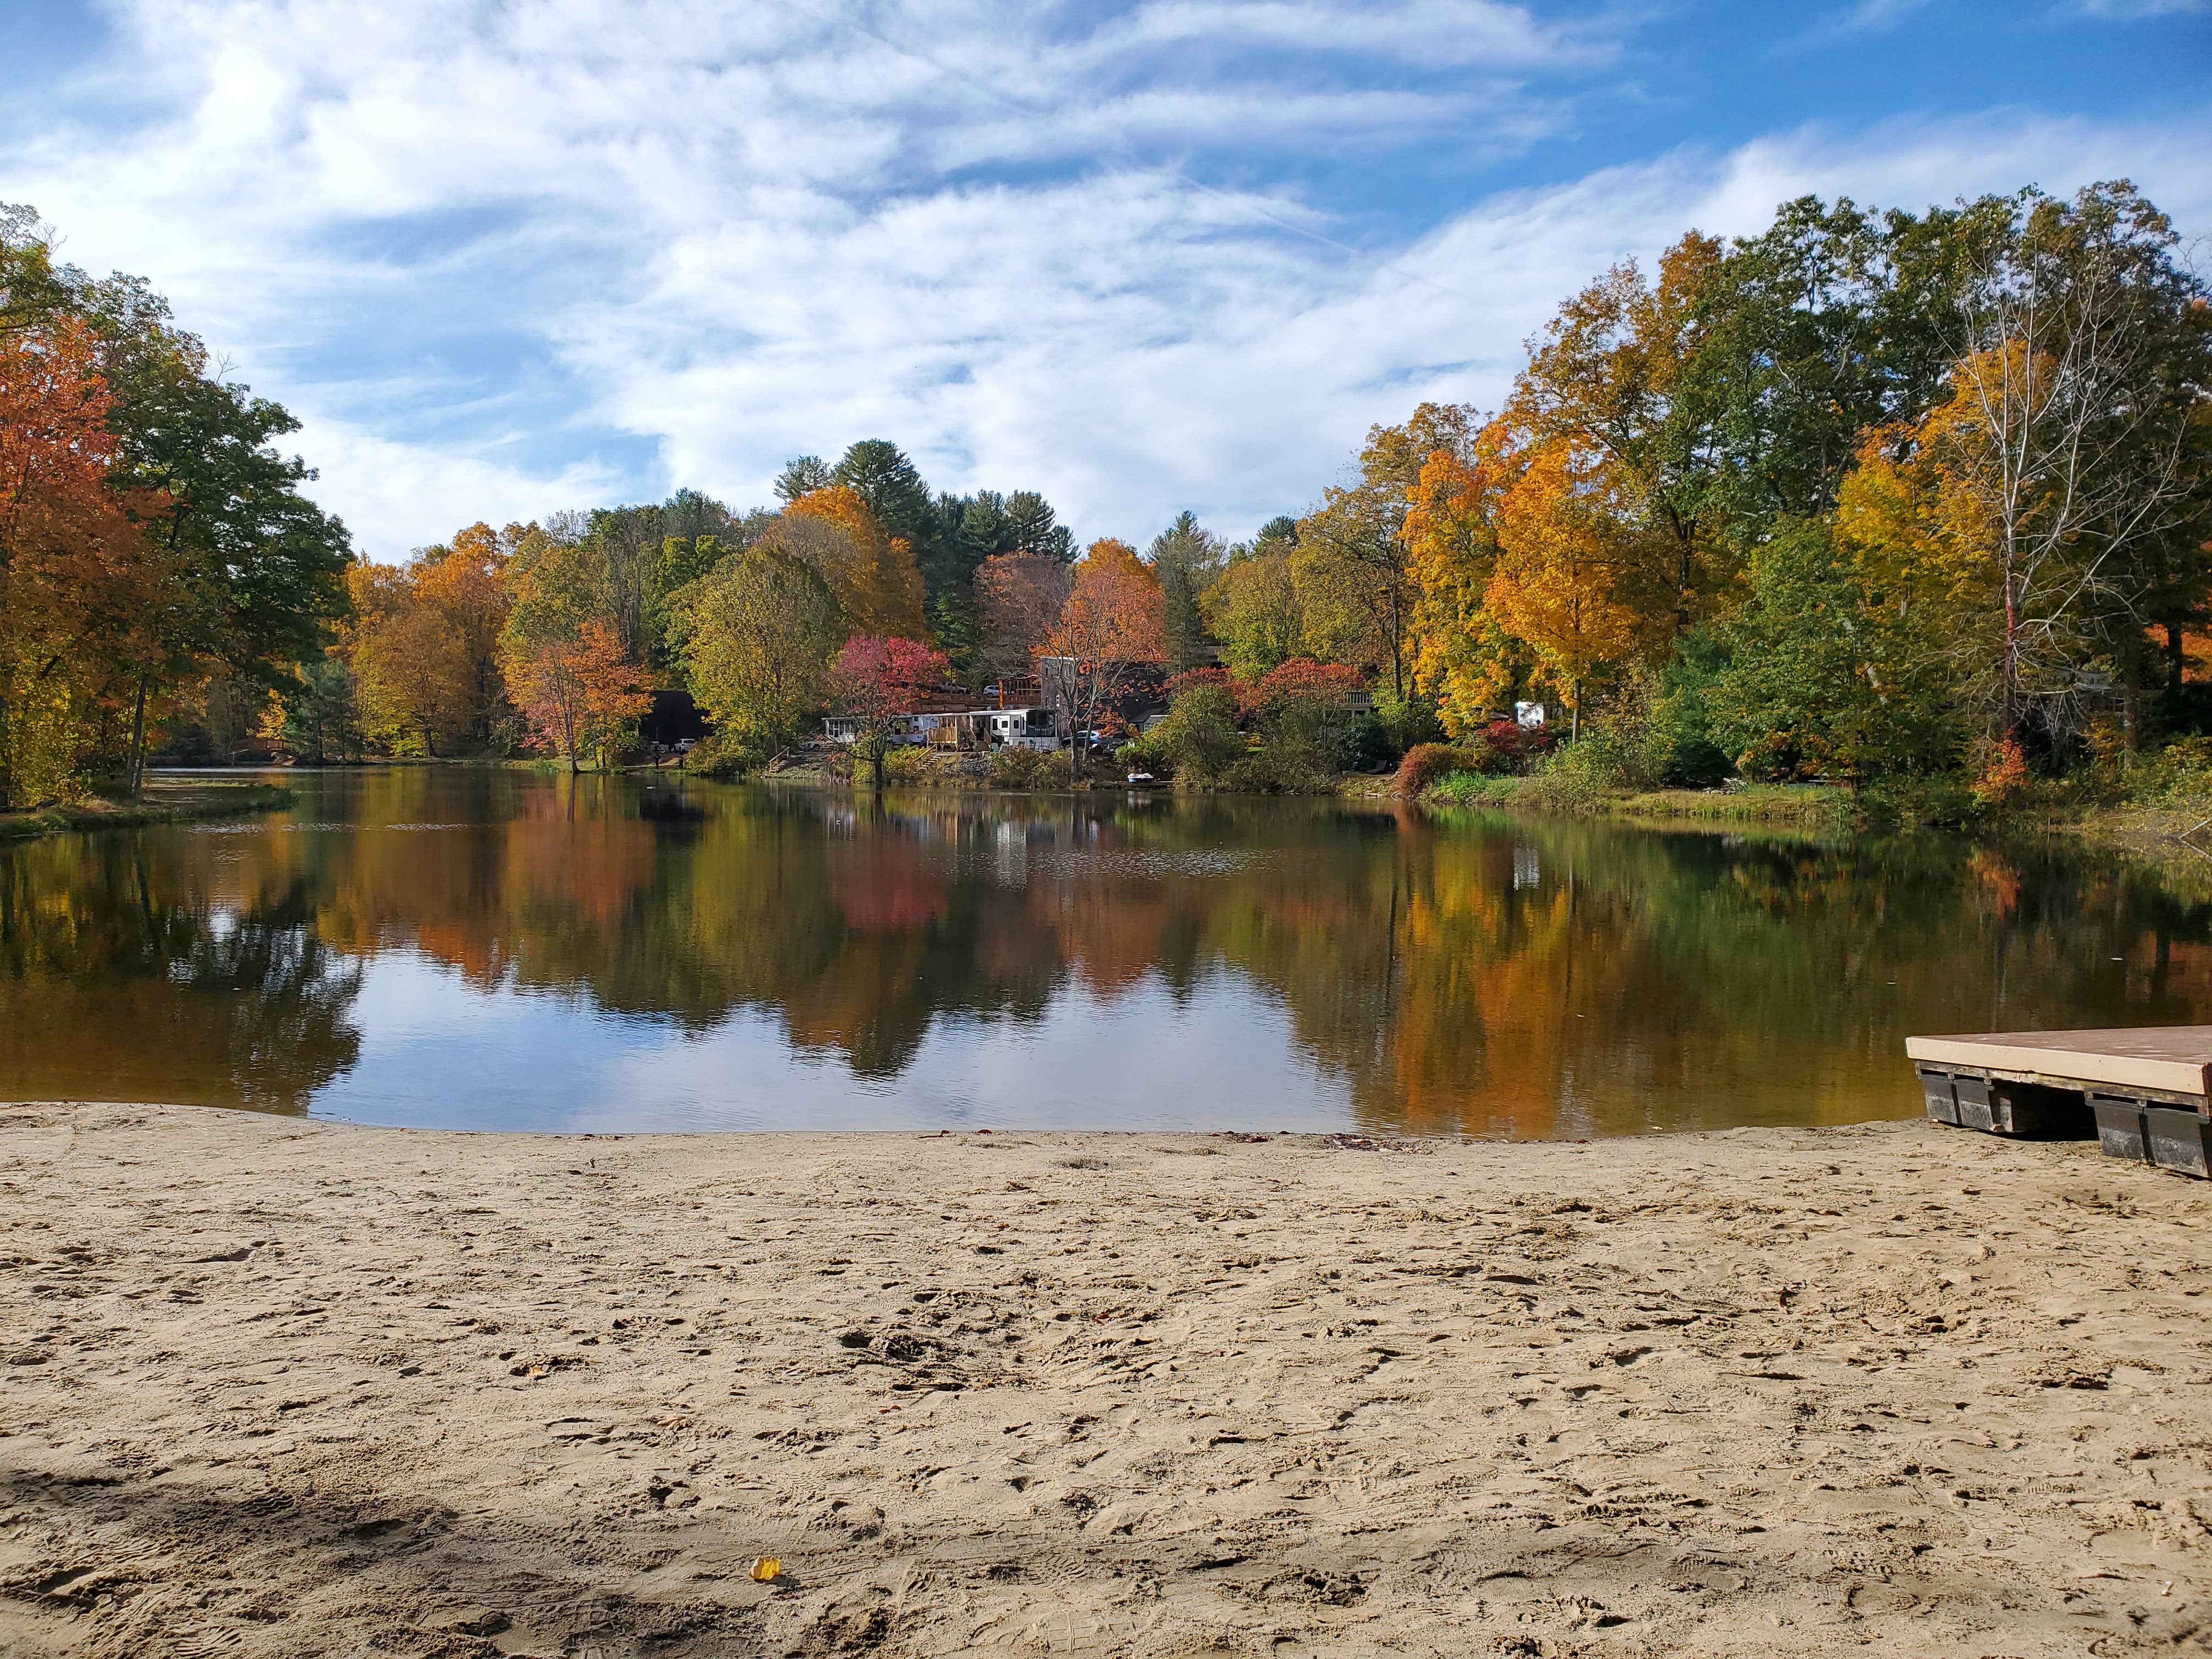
(1556, 580)
(1608, 379)
(872, 574)
(1461, 654)
(465, 584)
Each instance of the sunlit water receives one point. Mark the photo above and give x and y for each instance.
(494, 949)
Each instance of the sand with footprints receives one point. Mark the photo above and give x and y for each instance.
(280, 1388)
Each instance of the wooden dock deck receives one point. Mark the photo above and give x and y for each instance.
(2145, 1092)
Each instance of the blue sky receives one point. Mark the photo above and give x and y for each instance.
(503, 259)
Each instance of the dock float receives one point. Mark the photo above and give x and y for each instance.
(2146, 1093)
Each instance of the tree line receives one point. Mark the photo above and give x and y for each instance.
(1866, 494)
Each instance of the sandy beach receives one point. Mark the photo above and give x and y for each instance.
(280, 1388)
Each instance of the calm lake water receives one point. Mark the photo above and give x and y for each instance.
(505, 950)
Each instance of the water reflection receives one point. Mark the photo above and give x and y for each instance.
(504, 949)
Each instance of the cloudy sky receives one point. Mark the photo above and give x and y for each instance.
(503, 258)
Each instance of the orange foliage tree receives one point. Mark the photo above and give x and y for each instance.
(583, 696)
(562, 654)
(77, 583)
(462, 582)
(1555, 585)
(1113, 622)
(1461, 652)
(872, 573)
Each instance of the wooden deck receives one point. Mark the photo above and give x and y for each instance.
(2146, 1092)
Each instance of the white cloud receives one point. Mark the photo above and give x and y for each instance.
(412, 494)
(482, 249)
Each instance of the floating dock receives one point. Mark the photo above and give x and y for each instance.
(2146, 1093)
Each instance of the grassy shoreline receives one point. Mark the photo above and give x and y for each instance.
(162, 803)
(1811, 807)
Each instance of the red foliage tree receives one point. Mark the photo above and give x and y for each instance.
(1303, 682)
(876, 679)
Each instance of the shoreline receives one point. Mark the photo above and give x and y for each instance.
(212, 801)
(277, 1386)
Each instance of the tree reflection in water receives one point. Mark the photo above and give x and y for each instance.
(123, 976)
(1465, 973)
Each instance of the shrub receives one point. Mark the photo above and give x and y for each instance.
(1198, 741)
(1503, 747)
(718, 756)
(904, 763)
(1369, 747)
(1580, 777)
(2002, 773)
(1279, 772)
(1014, 767)
(1661, 724)
(1426, 762)
(1303, 711)
(1406, 722)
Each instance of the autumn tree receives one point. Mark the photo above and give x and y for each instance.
(1252, 606)
(581, 696)
(74, 567)
(1355, 590)
(1559, 574)
(563, 654)
(877, 680)
(253, 572)
(755, 636)
(413, 674)
(1607, 380)
(1110, 626)
(462, 583)
(1020, 596)
(871, 573)
(971, 531)
(1463, 655)
(880, 473)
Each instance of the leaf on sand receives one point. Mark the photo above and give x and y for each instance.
(768, 1568)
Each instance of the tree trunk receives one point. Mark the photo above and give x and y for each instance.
(2175, 657)
(2009, 668)
(138, 741)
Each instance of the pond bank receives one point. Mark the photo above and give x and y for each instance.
(164, 801)
(275, 1385)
